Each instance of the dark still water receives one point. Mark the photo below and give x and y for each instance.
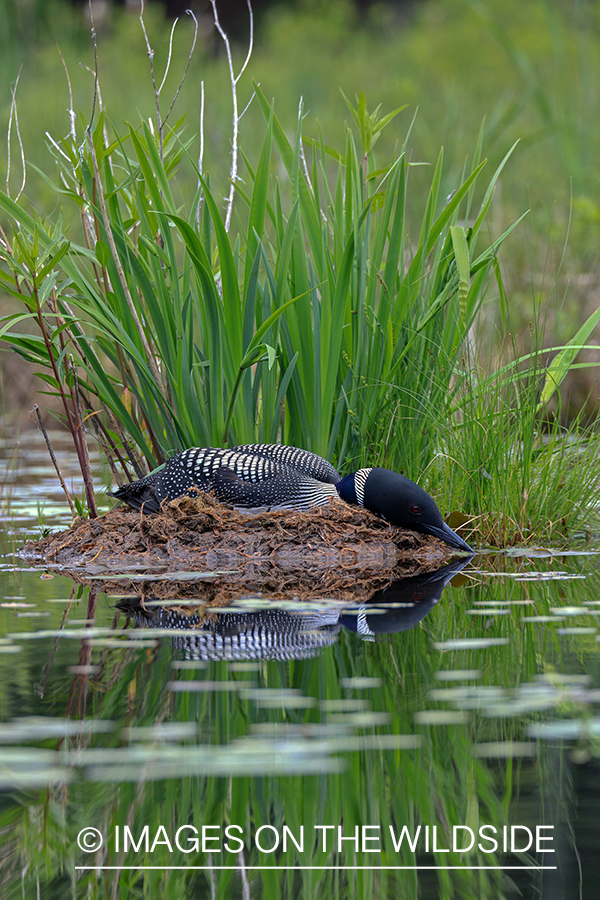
(438, 741)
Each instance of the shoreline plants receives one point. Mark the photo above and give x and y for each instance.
(303, 313)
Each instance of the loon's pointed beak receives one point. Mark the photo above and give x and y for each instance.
(445, 533)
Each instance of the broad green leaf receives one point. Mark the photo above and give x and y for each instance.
(564, 359)
(461, 255)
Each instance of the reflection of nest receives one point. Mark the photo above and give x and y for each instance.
(334, 548)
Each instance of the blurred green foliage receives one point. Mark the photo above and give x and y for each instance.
(529, 69)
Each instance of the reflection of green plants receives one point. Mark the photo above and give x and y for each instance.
(318, 319)
(300, 715)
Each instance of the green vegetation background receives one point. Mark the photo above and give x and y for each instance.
(530, 69)
(527, 70)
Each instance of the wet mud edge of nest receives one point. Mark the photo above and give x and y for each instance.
(329, 548)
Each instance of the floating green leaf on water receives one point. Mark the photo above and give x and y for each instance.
(61, 600)
(123, 642)
(489, 611)
(176, 601)
(570, 610)
(73, 633)
(189, 664)
(469, 643)
(165, 731)
(542, 618)
(360, 683)
(481, 694)
(15, 605)
(577, 629)
(549, 576)
(505, 602)
(440, 717)
(245, 604)
(286, 702)
(366, 719)
(565, 729)
(210, 686)
(505, 749)
(15, 779)
(533, 576)
(563, 678)
(542, 552)
(458, 675)
(361, 742)
(38, 728)
(344, 705)
(162, 576)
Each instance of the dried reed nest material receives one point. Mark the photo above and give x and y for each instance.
(331, 549)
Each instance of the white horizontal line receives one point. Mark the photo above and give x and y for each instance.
(320, 868)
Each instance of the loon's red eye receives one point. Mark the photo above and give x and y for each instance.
(416, 510)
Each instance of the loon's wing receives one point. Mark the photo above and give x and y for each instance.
(286, 488)
(252, 475)
(303, 460)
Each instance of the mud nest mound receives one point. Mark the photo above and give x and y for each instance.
(198, 547)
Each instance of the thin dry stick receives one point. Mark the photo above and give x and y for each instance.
(95, 72)
(302, 156)
(41, 426)
(157, 90)
(236, 118)
(14, 116)
(187, 65)
(70, 110)
(200, 154)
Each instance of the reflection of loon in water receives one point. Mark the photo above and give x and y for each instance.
(403, 604)
(293, 634)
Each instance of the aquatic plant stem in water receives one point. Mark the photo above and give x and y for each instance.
(41, 426)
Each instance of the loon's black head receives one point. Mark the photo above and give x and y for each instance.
(400, 501)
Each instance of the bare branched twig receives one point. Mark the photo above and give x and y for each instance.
(14, 117)
(160, 121)
(234, 83)
(95, 72)
(36, 411)
(200, 153)
(71, 110)
(302, 156)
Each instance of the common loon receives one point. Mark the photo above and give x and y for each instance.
(281, 477)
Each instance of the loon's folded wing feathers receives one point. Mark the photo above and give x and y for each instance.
(285, 488)
(303, 460)
(252, 475)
